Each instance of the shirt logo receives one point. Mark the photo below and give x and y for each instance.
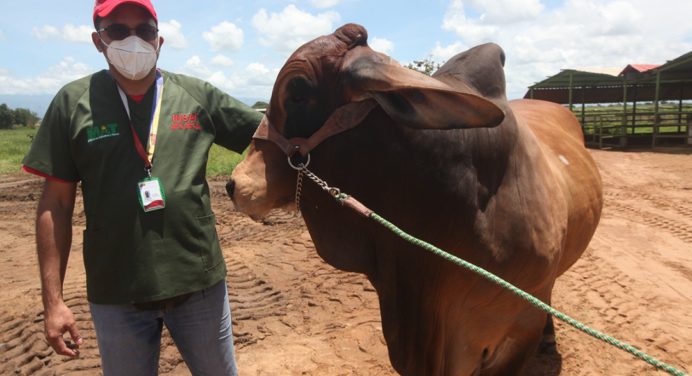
(185, 122)
(102, 131)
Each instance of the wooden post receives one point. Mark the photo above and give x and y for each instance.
(634, 108)
(583, 108)
(623, 133)
(657, 121)
(571, 76)
(682, 86)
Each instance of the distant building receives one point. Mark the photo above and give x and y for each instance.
(629, 87)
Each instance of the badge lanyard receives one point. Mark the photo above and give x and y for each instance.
(147, 156)
(151, 195)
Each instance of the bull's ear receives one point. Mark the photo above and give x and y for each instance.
(413, 98)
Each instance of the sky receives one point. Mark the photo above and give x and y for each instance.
(240, 46)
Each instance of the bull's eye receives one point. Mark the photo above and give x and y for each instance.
(304, 105)
(297, 98)
(299, 90)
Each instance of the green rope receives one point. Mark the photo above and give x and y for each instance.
(528, 297)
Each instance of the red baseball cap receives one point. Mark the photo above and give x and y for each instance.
(102, 8)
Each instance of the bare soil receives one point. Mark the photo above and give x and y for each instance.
(295, 315)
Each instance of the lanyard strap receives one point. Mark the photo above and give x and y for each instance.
(148, 155)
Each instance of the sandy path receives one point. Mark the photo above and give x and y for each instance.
(295, 315)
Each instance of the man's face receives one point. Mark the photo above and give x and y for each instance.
(129, 15)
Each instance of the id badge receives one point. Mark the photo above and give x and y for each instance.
(151, 195)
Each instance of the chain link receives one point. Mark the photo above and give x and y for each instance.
(303, 171)
(299, 188)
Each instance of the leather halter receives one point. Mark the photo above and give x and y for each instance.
(342, 119)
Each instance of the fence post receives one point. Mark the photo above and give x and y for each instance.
(623, 131)
(600, 132)
(657, 120)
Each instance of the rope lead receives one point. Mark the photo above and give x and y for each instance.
(528, 297)
(348, 201)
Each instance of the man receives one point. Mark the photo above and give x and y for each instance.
(137, 138)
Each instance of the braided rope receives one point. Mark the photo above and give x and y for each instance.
(341, 197)
(528, 297)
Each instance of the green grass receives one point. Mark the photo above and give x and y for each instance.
(222, 161)
(14, 144)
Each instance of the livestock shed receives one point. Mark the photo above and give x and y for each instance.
(639, 105)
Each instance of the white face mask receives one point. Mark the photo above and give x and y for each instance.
(133, 57)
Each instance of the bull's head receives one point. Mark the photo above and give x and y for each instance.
(338, 79)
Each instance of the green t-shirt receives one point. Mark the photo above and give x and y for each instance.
(131, 255)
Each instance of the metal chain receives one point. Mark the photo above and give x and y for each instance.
(333, 191)
(299, 188)
(303, 170)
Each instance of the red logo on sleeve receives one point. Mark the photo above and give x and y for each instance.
(185, 122)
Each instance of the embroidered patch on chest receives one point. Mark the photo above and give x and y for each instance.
(99, 132)
(185, 122)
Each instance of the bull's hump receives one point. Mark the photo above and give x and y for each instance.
(352, 34)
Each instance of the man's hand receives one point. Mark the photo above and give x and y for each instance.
(60, 320)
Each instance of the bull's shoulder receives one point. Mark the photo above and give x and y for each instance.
(550, 122)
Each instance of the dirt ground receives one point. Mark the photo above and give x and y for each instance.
(295, 315)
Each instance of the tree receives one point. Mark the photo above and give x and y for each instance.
(260, 105)
(21, 116)
(25, 117)
(426, 66)
(6, 117)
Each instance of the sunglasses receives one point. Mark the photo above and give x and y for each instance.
(119, 31)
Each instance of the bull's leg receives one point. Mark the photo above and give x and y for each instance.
(519, 346)
(548, 345)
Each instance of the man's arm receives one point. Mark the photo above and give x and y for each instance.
(53, 242)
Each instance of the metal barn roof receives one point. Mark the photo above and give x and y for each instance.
(610, 85)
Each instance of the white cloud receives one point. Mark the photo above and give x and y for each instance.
(539, 42)
(173, 35)
(222, 61)
(381, 45)
(506, 11)
(46, 32)
(440, 54)
(291, 28)
(324, 3)
(48, 82)
(258, 74)
(69, 32)
(472, 30)
(254, 80)
(195, 67)
(225, 36)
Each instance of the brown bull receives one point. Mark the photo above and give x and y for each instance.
(507, 186)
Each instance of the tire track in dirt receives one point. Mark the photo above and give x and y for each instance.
(678, 229)
(251, 299)
(682, 207)
(27, 352)
(24, 350)
(20, 188)
(596, 293)
(314, 293)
